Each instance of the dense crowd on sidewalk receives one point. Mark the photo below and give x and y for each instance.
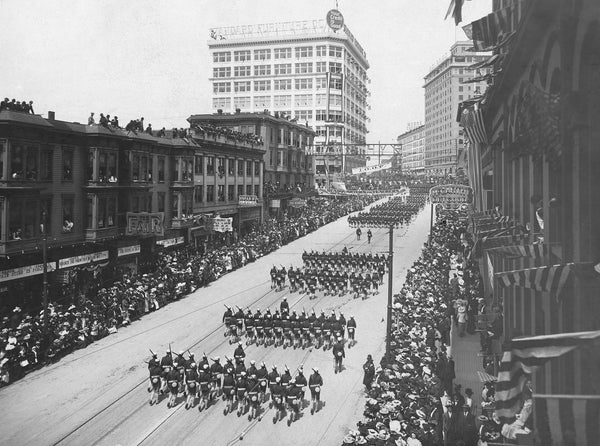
(412, 397)
(25, 347)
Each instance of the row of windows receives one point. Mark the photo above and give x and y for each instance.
(278, 69)
(278, 53)
(219, 190)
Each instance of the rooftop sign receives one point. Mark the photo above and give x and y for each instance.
(335, 20)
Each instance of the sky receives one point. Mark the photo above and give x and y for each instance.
(150, 58)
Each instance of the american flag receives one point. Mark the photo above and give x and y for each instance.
(544, 278)
(523, 358)
(534, 251)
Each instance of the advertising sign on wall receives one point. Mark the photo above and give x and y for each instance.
(25, 271)
(144, 223)
(297, 203)
(127, 250)
(222, 224)
(275, 203)
(371, 169)
(170, 241)
(83, 259)
(248, 200)
(451, 196)
(335, 19)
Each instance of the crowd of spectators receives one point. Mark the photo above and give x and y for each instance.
(25, 347)
(14, 105)
(413, 399)
(270, 188)
(213, 130)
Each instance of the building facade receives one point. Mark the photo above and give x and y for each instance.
(107, 200)
(304, 70)
(413, 149)
(446, 85)
(288, 170)
(541, 161)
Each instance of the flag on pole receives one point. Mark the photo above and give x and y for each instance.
(523, 358)
(455, 8)
(534, 251)
(560, 417)
(543, 278)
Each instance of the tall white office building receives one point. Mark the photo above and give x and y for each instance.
(302, 70)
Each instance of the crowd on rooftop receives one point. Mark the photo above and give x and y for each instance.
(14, 105)
(213, 130)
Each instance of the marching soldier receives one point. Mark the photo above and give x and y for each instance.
(338, 354)
(315, 383)
(204, 382)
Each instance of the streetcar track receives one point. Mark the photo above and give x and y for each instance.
(262, 357)
(145, 380)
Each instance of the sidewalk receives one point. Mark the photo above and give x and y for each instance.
(467, 363)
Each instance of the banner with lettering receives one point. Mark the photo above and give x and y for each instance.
(222, 224)
(248, 200)
(25, 271)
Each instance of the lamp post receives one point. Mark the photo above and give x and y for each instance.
(45, 270)
(390, 301)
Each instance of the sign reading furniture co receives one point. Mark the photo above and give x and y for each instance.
(451, 196)
(144, 223)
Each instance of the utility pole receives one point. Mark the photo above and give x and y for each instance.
(45, 270)
(390, 291)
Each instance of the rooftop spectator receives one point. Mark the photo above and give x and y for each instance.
(91, 120)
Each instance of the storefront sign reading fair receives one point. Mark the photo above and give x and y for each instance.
(451, 196)
(144, 223)
(335, 20)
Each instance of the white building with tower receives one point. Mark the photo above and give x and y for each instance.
(304, 71)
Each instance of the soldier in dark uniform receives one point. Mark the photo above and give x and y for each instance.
(286, 324)
(277, 328)
(315, 384)
(216, 374)
(204, 381)
(293, 395)
(241, 388)
(228, 391)
(338, 355)
(155, 374)
(284, 307)
(277, 397)
(166, 363)
(191, 379)
(173, 383)
(351, 331)
(262, 374)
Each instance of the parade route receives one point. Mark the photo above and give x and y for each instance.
(97, 395)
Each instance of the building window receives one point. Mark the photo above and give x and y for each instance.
(304, 51)
(249, 168)
(283, 68)
(222, 72)
(175, 205)
(241, 56)
(262, 85)
(303, 84)
(320, 130)
(198, 165)
(321, 83)
(262, 101)
(45, 207)
(46, 156)
(335, 67)
(240, 87)
(303, 100)
(221, 103)
(262, 70)
(256, 190)
(321, 115)
(335, 51)
(242, 102)
(282, 100)
(23, 163)
(210, 193)
(282, 84)
(161, 169)
(242, 71)
(321, 50)
(210, 165)
(198, 190)
(230, 192)
(107, 167)
(304, 68)
(231, 167)
(240, 167)
(282, 53)
(221, 193)
(160, 198)
(67, 215)
(321, 67)
(336, 83)
(240, 190)
(222, 87)
(187, 165)
(222, 56)
(262, 54)
(67, 164)
(248, 189)
(256, 168)
(303, 115)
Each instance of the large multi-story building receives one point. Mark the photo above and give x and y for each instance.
(288, 170)
(304, 70)
(108, 199)
(413, 149)
(446, 85)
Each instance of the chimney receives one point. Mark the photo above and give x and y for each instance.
(51, 116)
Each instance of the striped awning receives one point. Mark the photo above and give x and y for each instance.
(543, 278)
(486, 377)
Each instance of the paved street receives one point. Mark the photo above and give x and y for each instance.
(97, 396)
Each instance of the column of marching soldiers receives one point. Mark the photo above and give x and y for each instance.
(247, 388)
